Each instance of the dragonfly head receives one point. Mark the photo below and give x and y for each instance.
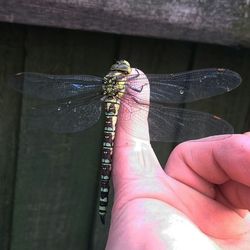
(122, 66)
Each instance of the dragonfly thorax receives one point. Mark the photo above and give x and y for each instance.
(114, 84)
(114, 81)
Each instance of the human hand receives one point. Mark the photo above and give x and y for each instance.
(200, 200)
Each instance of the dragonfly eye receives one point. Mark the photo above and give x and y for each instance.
(122, 66)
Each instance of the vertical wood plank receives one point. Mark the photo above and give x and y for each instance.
(57, 175)
(11, 60)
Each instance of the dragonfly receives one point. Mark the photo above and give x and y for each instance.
(73, 103)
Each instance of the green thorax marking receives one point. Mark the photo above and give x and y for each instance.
(114, 82)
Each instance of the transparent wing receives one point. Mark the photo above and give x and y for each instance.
(74, 102)
(166, 88)
(52, 87)
(67, 116)
(170, 124)
(187, 86)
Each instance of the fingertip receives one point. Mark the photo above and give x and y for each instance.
(133, 114)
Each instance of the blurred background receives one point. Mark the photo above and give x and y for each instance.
(48, 181)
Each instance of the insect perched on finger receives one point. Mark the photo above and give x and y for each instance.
(73, 103)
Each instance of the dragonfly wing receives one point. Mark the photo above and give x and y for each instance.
(173, 124)
(64, 117)
(192, 85)
(169, 124)
(52, 87)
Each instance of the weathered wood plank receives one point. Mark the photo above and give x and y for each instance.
(223, 22)
(11, 61)
(57, 176)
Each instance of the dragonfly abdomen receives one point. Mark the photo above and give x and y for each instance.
(113, 91)
(112, 105)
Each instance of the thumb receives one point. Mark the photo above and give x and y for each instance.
(133, 156)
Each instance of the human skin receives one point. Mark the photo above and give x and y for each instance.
(199, 200)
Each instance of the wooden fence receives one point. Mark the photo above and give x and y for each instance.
(49, 182)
